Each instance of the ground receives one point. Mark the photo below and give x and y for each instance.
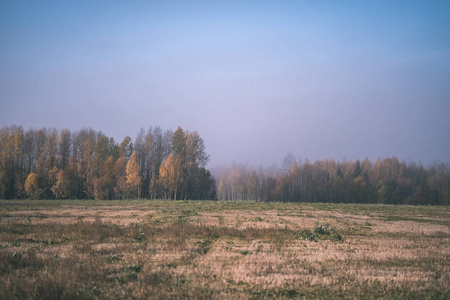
(204, 249)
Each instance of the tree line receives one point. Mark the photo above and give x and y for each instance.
(387, 181)
(60, 164)
(49, 164)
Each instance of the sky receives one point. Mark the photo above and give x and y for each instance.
(340, 80)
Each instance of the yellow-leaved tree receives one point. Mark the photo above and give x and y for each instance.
(171, 175)
(134, 180)
(61, 189)
(32, 186)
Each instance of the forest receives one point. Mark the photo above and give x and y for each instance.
(385, 181)
(54, 164)
(60, 164)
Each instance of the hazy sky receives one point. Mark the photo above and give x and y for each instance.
(256, 79)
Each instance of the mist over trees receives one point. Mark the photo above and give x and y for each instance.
(387, 181)
(48, 164)
(60, 164)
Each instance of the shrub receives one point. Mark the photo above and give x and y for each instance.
(321, 232)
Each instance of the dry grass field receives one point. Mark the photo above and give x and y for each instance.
(232, 250)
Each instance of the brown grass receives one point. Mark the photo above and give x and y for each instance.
(158, 249)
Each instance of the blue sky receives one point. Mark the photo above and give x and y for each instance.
(256, 79)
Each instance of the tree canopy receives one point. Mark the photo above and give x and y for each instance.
(387, 181)
(88, 164)
(60, 164)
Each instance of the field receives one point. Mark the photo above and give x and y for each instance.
(205, 249)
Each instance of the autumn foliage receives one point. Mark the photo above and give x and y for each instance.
(385, 181)
(49, 164)
(89, 165)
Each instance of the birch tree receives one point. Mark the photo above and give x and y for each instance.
(134, 180)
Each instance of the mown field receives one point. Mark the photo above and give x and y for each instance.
(232, 250)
